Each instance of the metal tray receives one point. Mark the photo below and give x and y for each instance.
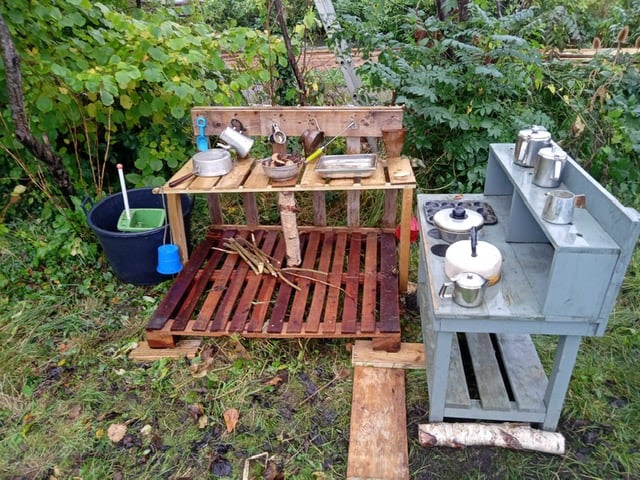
(346, 166)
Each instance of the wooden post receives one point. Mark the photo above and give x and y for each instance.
(405, 236)
(287, 207)
(176, 221)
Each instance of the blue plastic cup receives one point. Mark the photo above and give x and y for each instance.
(168, 259)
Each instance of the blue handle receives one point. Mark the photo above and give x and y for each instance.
(201, 122)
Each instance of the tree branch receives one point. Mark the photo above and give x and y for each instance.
(41, 150)
(292, 57)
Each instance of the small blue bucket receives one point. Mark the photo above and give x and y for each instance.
(168, 259)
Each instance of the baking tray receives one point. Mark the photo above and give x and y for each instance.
(346, 166)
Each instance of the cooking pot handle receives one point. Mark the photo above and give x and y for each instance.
(443, 290)
(86, 200)
(474, 241)
(183, 178)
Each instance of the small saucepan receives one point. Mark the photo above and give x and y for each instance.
(312, 139)
(214, 162)
(455, 224)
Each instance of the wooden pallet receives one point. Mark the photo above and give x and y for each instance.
(217, 294)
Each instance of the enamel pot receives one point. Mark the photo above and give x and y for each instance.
(473, 256)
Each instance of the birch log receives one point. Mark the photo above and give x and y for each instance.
(509, 435)
(287, 207)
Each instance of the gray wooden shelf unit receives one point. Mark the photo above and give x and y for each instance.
(556, 280)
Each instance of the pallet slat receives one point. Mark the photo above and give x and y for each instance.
(493, 393)
(320, 289)
(350, 305)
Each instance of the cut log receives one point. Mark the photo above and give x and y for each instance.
(508, 435)
(287, 207)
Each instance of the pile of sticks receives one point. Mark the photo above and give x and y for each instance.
(262, 263)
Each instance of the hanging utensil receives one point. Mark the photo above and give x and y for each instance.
(202, 142)
(123, 187)
(320, 150)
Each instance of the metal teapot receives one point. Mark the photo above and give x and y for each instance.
(529, 142)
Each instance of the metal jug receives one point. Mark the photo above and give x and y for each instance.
(468, 289)
(529, 143)
(236, 139)
(549, 166)
(559, 206)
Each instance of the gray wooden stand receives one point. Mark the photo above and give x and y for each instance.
(556, 280)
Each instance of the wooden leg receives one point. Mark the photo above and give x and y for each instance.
(566, 354)
(438, 370)
(390, 208)
(250, 209)
(319, 209)
(353, 208)
(176, 221)
(405, 236)
(215, 211)
(160, 339)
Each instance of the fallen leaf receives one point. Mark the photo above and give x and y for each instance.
(231, 417)
(100, 433)
(281, 377)
(116, 432)
(74, 411)
(273, 472)
(241, 352)
(146, 430)
(203, 421)
(195, 410)
(199, 370)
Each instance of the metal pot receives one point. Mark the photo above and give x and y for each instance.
(549, 166)
(468, 289)
(455, 224)
(473, 256)
(529, 143)
(214, 162)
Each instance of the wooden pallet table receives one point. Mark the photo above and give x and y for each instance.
(216, 294)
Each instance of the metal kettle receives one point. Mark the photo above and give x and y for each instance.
(529, 142)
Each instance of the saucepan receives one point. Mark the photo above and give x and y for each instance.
(312, 138)
(455, 223)
(214, 162)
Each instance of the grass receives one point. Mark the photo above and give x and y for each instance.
(67, 326)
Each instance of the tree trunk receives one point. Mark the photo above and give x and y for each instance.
(292, 58)
(40, 149)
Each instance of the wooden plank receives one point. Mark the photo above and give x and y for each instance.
(253, 282)
(320, 289)
(281, 307)
(184, 348)
(235, 177)
(352, 283)
(257, 179)
(524, 370)
(353, 208)
(299, 305)
(263, 300)
(176, 222)
(184, 170)
(203, 183)
(198, 286)
(258, 121)
(211, 302)
(335, 278)
(389, 306)
(491, 387)
(405, 238)
(215, 211)
(376, 178)
(310, 177)
(400, 171)
(378, 446)
(180, 285)
(457, 390)
(319, 209)
(410, 355)
(368, 319)
(390, 213)
(250, 209)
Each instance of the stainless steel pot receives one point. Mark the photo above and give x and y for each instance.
(468, 289)
(549, 166)
(455, 224)
(528, 145)
(214, 162)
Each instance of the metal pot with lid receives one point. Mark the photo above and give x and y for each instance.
(468, 289)
(482, 258)
(455, 223)
(529, 141)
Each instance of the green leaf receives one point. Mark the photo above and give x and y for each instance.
(211, 85)
(177, 111)
(44, 104)
(152, 74)
(106, 97)
(126, 102)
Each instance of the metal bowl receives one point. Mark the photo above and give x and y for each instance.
(284, 172)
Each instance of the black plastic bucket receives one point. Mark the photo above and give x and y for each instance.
(133, 256)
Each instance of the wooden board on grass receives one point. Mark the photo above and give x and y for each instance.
(378, 440)
(410, 355)
(184, 348)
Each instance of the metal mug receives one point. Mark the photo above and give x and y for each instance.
(525, 137)
(236, 139)
(559, 206)
(468, 289)
(549, 166)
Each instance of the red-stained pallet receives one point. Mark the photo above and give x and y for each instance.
(217, 294)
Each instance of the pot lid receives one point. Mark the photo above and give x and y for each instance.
(536, 132)
(211, 155)
(469, 280)
(552, 152)
(457, 219)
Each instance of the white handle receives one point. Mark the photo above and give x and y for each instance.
(123, 187)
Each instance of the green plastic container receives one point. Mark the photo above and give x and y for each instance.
(141, 219)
